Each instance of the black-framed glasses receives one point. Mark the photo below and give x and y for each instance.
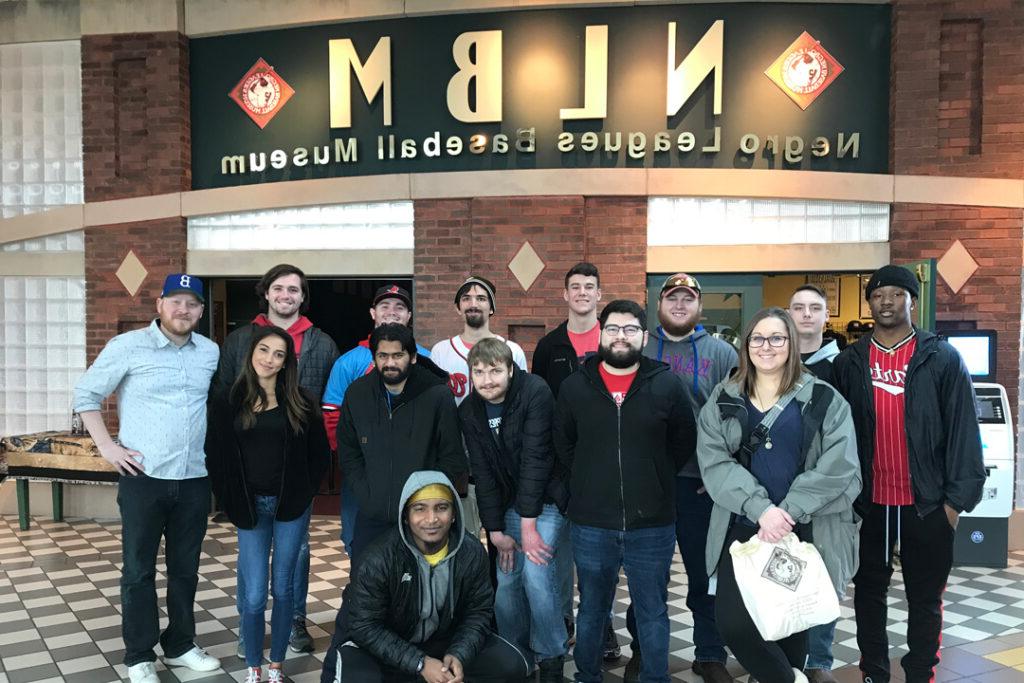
(628, 330)
(776, 341)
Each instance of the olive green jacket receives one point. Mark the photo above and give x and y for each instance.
(822, 494)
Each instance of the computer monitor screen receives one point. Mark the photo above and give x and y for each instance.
(978, 349)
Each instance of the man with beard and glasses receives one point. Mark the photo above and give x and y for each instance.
(475, 302)
(701, 362)
(396, 420)
(162, 377)
(391, 304)
(629, 419)
(283, 296)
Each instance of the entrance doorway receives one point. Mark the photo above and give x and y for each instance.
(338, 306)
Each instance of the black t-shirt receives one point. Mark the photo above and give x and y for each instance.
(263, 452)
(494, 413)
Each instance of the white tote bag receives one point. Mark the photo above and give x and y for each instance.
(785, 586)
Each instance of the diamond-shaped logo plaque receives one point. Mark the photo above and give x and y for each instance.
(261, 93)
(957, 266)
(131, 273)
(526, 265)
(804, 70)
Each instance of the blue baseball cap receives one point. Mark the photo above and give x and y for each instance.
(175, 283)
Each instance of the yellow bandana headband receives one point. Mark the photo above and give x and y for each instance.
(432, 492)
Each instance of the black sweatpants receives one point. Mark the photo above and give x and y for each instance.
(767, 661)
(926, 552)
(497, 662)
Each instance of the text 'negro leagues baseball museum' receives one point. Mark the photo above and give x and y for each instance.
(756, 145)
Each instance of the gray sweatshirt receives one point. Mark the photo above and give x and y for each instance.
(701, 362)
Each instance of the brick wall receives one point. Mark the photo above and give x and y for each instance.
(136, 136)
(457, 237)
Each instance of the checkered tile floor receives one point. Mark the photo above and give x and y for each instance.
(60, 611)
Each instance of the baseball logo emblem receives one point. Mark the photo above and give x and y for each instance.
(261, 93)
(784, 569)
(804, 70)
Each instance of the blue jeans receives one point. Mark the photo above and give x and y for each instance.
(175, 510)
(819, 646)
(349, 512)
(528, 602)
(646, 555)
(254, 564)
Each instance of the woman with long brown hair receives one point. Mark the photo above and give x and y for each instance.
(777, 454)
(266, 452)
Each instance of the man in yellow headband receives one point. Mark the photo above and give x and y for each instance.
(419, 605)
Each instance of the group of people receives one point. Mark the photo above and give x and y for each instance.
(623, 444)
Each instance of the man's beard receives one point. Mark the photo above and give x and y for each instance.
(677, 330)
(393, 379)
(475, 319)
(619, 359)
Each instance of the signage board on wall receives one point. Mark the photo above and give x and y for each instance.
(672, 86)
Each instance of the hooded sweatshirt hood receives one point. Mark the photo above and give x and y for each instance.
(827, 352)
(436, 583)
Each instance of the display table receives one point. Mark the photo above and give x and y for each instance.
(57, 457)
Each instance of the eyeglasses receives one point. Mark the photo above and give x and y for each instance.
(628, 330)
(775, 341)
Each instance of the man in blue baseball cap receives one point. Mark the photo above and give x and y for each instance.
(161, 374)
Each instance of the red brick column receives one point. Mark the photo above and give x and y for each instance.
(957, 104)
(136, 142)
(482, 235)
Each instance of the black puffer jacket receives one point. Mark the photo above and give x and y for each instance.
(385, 598)
(380, 443)
(625, 473)
(519, 468)
(305, 463)
(316, 358)
(941, 418)
(554, 359)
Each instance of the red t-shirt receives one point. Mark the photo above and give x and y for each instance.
(296, 331)
(585, 343)
(617, 385)
(891, 467)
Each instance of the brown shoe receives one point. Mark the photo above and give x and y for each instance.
(819, 676)
(712, 672)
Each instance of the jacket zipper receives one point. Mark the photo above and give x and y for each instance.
(618, 445)
(391, 461)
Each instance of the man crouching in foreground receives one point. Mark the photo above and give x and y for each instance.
(420, 604)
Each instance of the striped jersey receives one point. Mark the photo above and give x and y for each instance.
(891, 467)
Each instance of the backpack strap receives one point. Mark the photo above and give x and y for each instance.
(814, 415)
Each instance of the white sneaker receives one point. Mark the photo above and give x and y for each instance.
(254, 675)
(143, 672)
(275, 676)
(195, 659)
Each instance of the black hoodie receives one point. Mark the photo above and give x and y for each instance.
(381, 441)
(623, 460)
(554, 359)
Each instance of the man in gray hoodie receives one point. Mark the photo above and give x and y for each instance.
(808, 307)
(701, 362)
(420, 602)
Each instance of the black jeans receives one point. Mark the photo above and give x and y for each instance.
(926, 552)
(497, 662)
(176, 511)
(767, 661)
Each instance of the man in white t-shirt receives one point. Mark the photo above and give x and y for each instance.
(474, 301)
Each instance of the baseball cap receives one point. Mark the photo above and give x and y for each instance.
(175, 283)
(392, 292)
(680, 280)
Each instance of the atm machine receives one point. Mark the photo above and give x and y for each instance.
(982, 535)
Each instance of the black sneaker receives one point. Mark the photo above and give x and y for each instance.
(300, 640)
(612, 651)
(632, 672)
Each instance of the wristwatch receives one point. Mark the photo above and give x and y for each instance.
(419, 667)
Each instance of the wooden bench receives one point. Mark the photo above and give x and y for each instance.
(56, 457)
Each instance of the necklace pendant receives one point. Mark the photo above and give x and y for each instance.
(768, 444)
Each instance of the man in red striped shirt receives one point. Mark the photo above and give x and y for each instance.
(920, 450)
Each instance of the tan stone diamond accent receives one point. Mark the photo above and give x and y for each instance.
(131, 273)
(957, 266)
(526, 265)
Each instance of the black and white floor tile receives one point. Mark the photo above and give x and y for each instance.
(60, 611)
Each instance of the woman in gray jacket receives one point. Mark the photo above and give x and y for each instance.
(777, 453)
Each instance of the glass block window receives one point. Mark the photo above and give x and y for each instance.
(42, 342)
(382, 225)
(685, 221)
(40, 126)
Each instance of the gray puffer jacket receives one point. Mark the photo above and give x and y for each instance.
(822, 494)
